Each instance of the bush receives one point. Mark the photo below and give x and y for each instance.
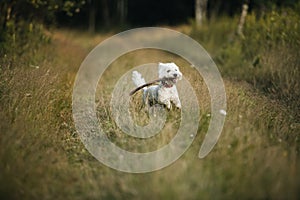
(267, 56)
(22, 26)
(272, 43)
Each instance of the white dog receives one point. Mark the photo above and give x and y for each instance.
(166, 91)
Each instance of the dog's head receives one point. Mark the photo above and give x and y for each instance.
(169, 70)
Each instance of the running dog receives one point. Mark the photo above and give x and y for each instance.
(165, 92)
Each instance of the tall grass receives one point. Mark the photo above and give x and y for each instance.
(256, 157)
(267, 56)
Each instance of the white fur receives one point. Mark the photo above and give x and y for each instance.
(165, 92)
(138, 79)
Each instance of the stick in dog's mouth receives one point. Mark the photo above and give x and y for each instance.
(151, 83)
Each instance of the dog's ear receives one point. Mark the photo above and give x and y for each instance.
(161, 68)
(178, 71)
(180, 76)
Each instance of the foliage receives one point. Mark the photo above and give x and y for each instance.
(38, 10)
(272, 43)
(269, 30)
(22, 23)
(267, 56)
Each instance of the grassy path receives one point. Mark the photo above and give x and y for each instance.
(43, 158)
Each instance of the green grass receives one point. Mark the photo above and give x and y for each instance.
(256, 157)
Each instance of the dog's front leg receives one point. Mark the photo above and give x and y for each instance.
(163, 98)
(166, 102)
(175, 98)
(177, 102)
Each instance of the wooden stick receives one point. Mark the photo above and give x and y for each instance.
(151, 83)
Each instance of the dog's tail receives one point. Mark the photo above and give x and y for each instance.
(137, 79)
(139, 82)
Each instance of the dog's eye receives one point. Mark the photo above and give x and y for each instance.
(176, 70)
(168, 71)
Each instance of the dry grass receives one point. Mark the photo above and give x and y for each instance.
(43, 158)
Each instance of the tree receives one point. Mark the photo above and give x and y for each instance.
(105, 12)
(122, 8)
(242, 19)
(92, 15)
(200, 11)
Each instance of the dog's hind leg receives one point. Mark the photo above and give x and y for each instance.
(145, 97)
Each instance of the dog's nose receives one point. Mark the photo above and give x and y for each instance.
(175, 75)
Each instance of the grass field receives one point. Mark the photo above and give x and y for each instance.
(256, 157)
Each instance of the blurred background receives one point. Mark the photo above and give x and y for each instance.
(100, 14)
(255, 44)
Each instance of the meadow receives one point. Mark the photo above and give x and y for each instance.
(256, 157)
